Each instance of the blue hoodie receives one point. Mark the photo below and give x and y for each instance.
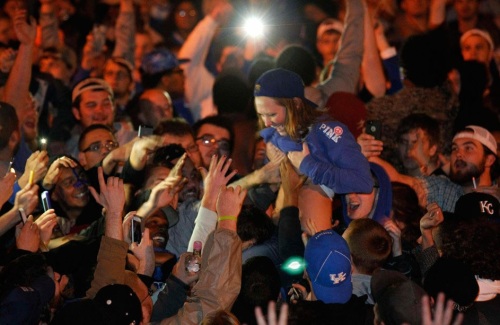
(383, 204)
(335, 160)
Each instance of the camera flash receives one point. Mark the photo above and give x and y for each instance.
(43, 144)
(254, 27)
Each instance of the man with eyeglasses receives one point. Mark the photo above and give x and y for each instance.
(214, 135)
(96, 142)
(177, 131)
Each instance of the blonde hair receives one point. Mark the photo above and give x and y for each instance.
(299, 116)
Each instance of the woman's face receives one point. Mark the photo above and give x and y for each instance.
(359, 205)
(272, 114)
(476, 48)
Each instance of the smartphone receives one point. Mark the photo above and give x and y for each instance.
(374, 127)
(46, 201)
(144, 131)
(43, 144)
(99, 32)
(22, 215)
(135, 229)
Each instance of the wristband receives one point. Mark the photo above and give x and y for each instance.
(227, 218)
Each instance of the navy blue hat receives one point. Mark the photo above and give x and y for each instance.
(160, 60)
(24, 304)
(281, 83)
(328, 264)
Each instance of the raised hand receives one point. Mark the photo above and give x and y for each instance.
(46, 223)
(27, 198)
(112, 194)
(429, 221)
(177, 170)
(142, 148)
(29, 236)
(25, 32)
(395, 233)
(179, 271)
(229, 204)
(370, 147)
(164, 192)
(271, 315)
(38, 163)
(432, 218)
(145, 254)
(52, 174)
(215, 179)
(443, 313)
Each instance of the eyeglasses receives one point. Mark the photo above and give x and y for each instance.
(97, 146)
(184, 13)
(209, 140)
(78, 179)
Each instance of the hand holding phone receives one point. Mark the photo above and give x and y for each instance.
(135, 229)
(99, 34)
(374, 127)
(46, 201)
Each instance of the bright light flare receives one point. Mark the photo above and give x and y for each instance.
(43, 144)
(294, 265)
(254, 27)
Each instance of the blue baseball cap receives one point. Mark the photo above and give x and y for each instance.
(281, 83)
(328, 264)
(160, 60)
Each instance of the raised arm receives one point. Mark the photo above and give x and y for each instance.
(125, 31)
(199, 81)
(437, 13)
(17, 85)
(220, 275)
(214, 179)
(347, 65)
(371, 66)
(113, 250)
(48, 25)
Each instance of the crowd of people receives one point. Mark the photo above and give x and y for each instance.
(338, 164)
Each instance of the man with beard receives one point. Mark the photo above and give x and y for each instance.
(473, 167)
(474, 163)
